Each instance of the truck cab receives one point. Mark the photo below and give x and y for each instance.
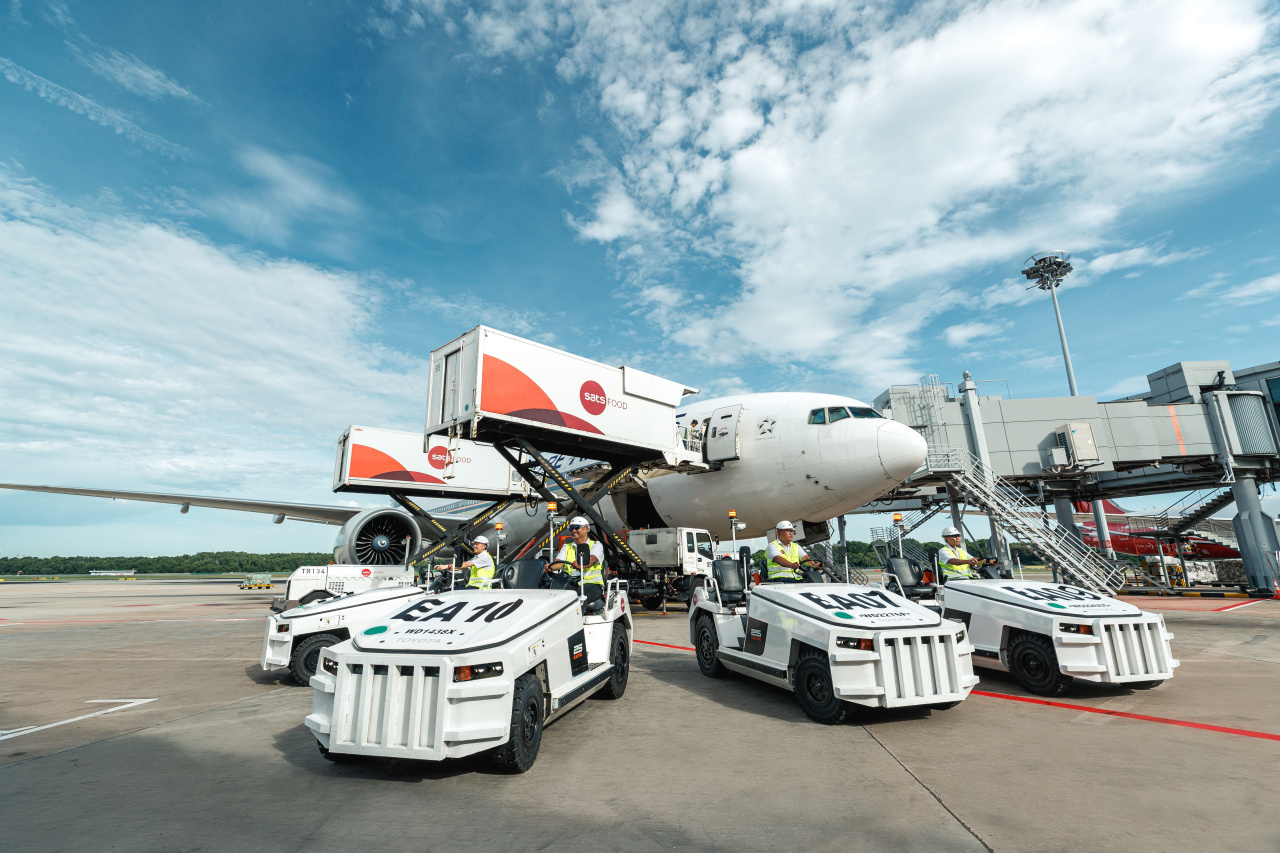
(678, 557)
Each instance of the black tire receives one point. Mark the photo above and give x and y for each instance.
(337, 757)
(620, 657)
(814, 690)
(314, 596)
(1144, 685)
(1034, 663)
(306, 656)
(518, 754)
(652, 602)
(707, 644)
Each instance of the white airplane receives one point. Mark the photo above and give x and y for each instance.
(802, 457)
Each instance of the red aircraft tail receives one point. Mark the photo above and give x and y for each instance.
(1109, 507)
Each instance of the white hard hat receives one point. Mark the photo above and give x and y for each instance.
(578, 520)
(950, 531)
(784, 525)
(481, 540)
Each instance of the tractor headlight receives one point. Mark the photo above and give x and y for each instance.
(329, 665)
(960, 636)
(282, 628)
(860, 643)
(482, 670)
(1073, 628)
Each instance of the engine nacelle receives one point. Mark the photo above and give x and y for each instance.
(376, 537)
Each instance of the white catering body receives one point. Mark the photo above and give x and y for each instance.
(383, 461)
(876, 648)
(1091, 636)
(435, 678)
(488, 374)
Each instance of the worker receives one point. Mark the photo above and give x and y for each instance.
(954, 559)
(585, 555)
(786, 556)
(481, 565)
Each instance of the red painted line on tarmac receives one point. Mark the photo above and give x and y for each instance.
(1241, 604)
(666, 645)
(1126, 715)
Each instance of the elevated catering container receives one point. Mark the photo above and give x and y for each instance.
(488, 385)
(384, 461)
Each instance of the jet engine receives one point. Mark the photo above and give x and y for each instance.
(376, 537)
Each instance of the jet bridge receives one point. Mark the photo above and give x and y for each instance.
(1195, 429)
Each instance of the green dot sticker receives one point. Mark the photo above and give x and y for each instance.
(1059, 606)
(376, 629)
(843, 615)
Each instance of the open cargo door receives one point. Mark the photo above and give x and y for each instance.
(722, 434)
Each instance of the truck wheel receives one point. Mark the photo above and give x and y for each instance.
(1034, 663)
(708, 645)
(314, 596)
(815, 692)
(652, 602)
(337, 757)
(518, 754)
(1144, 685)
(621, 660)
(306, 656)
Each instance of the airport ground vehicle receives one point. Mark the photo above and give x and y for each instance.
(676, 558)
(833, 644)
(309, 584)
(257, 581)
(1049, 634)
(470, 671)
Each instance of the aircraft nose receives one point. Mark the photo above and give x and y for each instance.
(902, 450)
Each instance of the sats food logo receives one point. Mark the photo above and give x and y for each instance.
(594, 400)
(439, 456)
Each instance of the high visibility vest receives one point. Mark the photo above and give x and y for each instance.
(590, 574)
(792, 553)
(480, 574)
(945, 553)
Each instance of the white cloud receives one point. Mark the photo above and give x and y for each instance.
(855, 158)
(145, 354)
(132, 74)
(95, 112)
(289, 190)
(963, 334)
(1258, 290)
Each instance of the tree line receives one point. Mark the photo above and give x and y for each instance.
(206, 562)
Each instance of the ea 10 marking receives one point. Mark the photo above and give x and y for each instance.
(873, 600)
(1058, 593)
(423, 611)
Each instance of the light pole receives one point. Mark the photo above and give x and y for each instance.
(1047, 270)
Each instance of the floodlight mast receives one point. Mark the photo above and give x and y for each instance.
(1047, 270)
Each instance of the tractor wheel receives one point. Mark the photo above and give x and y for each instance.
(1034, 663)
(814, 690)
(620, 657)
(518, 754)
(306, 656)
(708, 644)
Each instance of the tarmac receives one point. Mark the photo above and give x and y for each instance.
(217, 758)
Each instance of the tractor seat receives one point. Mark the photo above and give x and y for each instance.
(910, 579)
(522, 574)
(729, 579)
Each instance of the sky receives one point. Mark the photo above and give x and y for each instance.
(228, 231)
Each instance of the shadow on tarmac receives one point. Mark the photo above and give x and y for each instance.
(298, 747)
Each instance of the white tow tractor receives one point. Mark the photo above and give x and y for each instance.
(833, 644)
(309, 584)
(469, 671)
(1049, 634)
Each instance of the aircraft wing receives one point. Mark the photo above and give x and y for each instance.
(337, 515)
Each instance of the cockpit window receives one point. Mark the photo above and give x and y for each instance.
(837, 413)
(864, 412)
(818, 416)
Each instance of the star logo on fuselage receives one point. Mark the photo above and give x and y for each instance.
(766, 426)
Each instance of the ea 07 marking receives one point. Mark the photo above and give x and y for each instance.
(434, 608)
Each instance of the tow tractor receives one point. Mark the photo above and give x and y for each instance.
(833, 644)
(1048, 634)
(471, 671)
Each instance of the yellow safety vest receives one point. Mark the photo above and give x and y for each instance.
(590, 574)
(480, 575)
(792, 553)
(945, 553)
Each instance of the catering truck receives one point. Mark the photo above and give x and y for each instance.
(678, 559)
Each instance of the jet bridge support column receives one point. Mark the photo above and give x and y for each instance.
(1256, 533)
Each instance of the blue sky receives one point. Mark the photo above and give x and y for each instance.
(228, 231)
